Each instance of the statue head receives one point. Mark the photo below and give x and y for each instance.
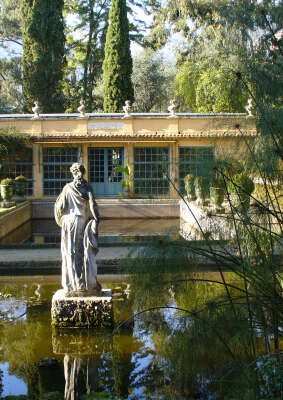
(77, 171)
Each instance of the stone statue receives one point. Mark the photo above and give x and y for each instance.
(82, 109)
(127, 109)
(36, 110)
(77, 214)
(171, 109)
(249, 107)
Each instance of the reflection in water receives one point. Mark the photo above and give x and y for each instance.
(80, 374)
(162, 355)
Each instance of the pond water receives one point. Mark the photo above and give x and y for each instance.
(153, 356)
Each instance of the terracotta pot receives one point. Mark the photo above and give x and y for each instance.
(6, 192)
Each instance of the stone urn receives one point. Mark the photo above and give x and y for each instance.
(217, 198)
(240, 201)
(202, 190)
(7, 189)
(240, 188)
(189, 181)
(6, 186)
(20, 184)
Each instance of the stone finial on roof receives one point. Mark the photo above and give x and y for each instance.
(82, 109)
(36, 110)
(249, 108)
(171, 109)
(127, 109)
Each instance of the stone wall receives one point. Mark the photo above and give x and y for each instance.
(13, 219)
(119, 208)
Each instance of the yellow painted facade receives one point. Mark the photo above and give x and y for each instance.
(222, 132)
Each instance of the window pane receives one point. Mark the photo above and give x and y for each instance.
(20, 163)
(151, 171)
(56, 168)
(193, 160)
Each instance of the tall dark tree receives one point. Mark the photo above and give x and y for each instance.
(43, 53)
(117, 65)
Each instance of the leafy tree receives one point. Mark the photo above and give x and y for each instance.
(85, 50)
(11, 142)
(10, 60)
(43, 53)
(117, 65)
(152, 81)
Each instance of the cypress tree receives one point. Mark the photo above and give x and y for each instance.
(117, 65)
(43, 54)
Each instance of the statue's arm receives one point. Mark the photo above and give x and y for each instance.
(93, 205)
(60, 206)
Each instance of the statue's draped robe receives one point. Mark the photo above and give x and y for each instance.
(74, 214)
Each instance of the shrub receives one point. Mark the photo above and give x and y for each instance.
(20, 178)
(7, 182)
(241, 182)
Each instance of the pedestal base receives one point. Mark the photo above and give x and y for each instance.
(83, 311)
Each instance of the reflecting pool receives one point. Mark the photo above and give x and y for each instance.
(152, 356)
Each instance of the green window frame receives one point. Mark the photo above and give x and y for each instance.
(193, 160)
(17, 164)
(56, 162)
(151, 171)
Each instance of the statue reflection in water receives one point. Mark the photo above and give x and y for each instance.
(81, 376)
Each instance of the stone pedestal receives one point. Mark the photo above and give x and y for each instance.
(85, 311)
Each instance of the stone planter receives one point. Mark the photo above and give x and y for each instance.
(202, 190)
(216, 198)
(20, 189)
(7, 195)
(190, 188)
(240, 201)
(6, 192)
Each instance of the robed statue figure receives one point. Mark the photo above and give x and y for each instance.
(77, 214)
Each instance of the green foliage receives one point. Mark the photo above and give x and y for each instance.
(117, 65)
(218, 182)
(43, 54)
(7, 182)
(152, 81)
(85, 42)
(11, 141)
(189, 178)
(20, 178)
(241, 182)
(270, 368)
(186, 81)
(10, 61)
(126, 183)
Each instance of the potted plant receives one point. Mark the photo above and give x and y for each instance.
(240, 188)
(126, 183)
(217, 190)
(7, 189)
(189, 181)
(20, 185)
(201, 187)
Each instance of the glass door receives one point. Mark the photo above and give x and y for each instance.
(101, 170)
